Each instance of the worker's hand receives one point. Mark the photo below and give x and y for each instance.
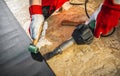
(107, 18)
(36, 25)
(37, 20)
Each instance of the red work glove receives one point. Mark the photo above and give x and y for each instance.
(37, 20)
(107, 18)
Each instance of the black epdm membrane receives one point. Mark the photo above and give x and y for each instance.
(15, 59)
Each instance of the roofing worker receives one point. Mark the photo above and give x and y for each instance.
(38, 14)
(107, 17)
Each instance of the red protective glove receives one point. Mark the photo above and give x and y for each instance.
(107, 18)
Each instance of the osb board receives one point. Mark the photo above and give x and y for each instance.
(58, 33)
(101, 58)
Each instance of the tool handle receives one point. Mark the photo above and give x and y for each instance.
(35, 41)
(64, 46)
(67, 44)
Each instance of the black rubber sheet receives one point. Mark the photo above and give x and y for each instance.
(15, 59)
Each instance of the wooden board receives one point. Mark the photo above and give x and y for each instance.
(99, 58)
(58, 33)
